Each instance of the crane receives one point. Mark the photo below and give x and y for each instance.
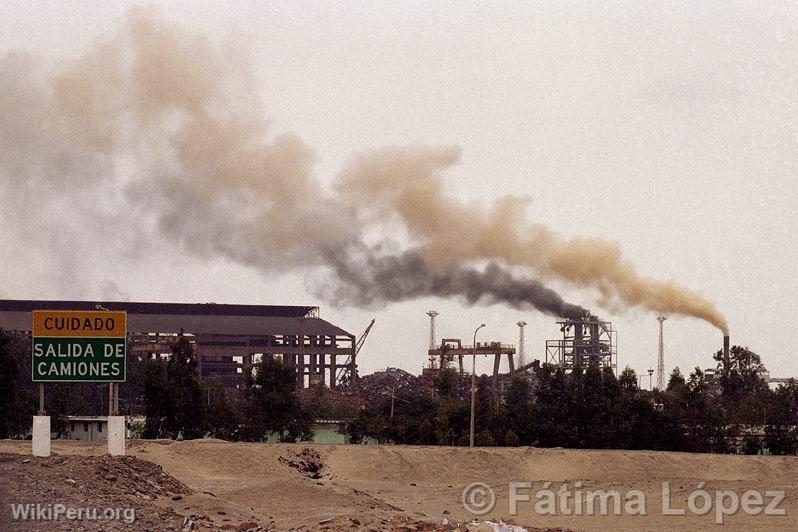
(344, 376)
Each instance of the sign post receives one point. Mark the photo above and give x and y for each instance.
(79, 346)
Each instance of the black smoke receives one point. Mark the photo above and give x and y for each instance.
(364, 276)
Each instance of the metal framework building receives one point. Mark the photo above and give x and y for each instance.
(585, 341)
(442, 356)
(228, 339)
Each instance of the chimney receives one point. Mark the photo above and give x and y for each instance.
(432, 314)
(521, 347)
(726, 352)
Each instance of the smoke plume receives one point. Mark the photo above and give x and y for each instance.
(405, 184)
(362, 277)
(155, 135)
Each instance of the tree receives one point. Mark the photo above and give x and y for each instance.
(16, 402)
(743, 377)
(223, 412)
(158, 404)
(452, 422)
(188, 414)
(173, 395)
(676, 382)
(552, 410)
(519, 403)
(273, 406)
(781, 431)
(446, 382)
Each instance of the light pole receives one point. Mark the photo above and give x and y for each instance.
(473, 384)
(650, 373)
(112, 390)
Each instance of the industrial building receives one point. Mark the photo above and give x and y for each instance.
(227, 339)
(586, 341)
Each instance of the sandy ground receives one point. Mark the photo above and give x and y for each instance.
(364, 486)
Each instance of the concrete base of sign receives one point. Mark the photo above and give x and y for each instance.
(41, 436)
(116, 435)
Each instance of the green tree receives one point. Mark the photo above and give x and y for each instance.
(743, 377)
(158, 403)
(16, 402)
(188, 411)
(173, 395)
(223, 412)
(273, 406)
(552, 410)
(452, 422)
(781, 431)
(519, 402)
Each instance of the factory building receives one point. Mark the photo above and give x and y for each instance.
(227, 339)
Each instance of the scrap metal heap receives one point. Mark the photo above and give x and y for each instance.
(585, 341)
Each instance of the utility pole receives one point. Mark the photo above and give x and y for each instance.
(473, 385)
(661, 356)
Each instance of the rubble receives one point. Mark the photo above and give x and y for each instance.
(307, 461)
(88, 482)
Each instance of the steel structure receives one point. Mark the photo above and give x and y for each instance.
(345, 377)
(521, 344)
(227, 339)
(585, 341)
(451, 348)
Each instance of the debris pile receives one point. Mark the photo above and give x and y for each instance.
(130, 475)
(97, 482)
(307, 462)
(373, 387)
(344, 402)
(408, 523)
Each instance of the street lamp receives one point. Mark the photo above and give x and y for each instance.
(473, 383)
(650, 385)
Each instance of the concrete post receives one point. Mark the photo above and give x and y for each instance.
(116, 435)
(41, 436)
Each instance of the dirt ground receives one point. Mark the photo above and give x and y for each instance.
(336, 487)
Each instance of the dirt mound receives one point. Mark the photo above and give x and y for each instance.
(307, 461)
(128, 485)
(376, 488)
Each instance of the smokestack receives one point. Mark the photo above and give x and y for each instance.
(521, 346)
(726, 352)
(661, 356)
(432, 314)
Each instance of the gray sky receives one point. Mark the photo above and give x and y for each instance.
(671, 129)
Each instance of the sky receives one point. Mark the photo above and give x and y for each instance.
(671, 129)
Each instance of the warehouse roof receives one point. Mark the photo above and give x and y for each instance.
(189, 309)
(207, 318)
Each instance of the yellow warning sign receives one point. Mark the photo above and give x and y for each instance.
(79, 324)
